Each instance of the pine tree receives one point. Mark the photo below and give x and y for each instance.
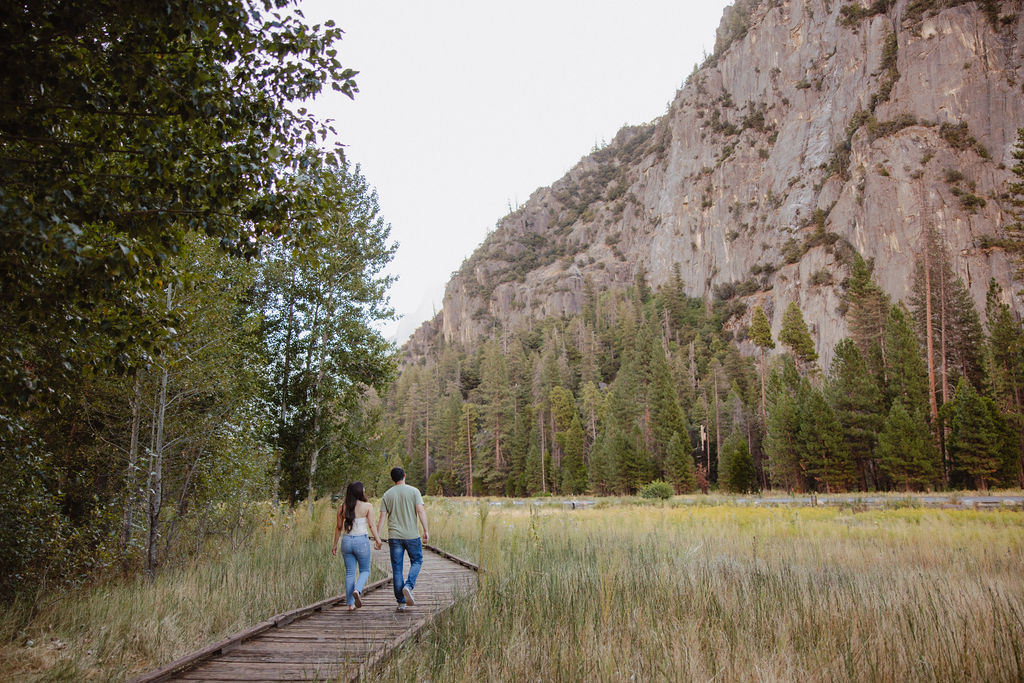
(574, 474)
(781, 444)
(1015, 189)
(795, 335)
(497, 417)
(1005, 361)
(701, 416)
(761, 334)
(823, 455)
(954, 324)
(679, 465)
(977, 443)
(907, 378)
(667, 416)
(867, 311)
(906, 451)
(603, 469)
(674, 295)
(736, 473)
(643, 289)
(633, 465)
(858, 403)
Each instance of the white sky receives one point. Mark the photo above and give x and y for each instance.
(465, 108)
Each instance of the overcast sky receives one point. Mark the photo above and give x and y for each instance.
(465, 108)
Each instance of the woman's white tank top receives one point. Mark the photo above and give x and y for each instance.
(358, 527)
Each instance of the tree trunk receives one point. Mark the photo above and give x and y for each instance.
(718, 426)
(426, 450)
(469, 455)
(284, 391)
(497, 444)
(764, 410)
(315, 455)
(930, 337)
(131, 493)
(543, 474)
(156, 468)
(693, 367)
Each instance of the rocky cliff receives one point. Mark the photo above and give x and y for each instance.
(818, 127)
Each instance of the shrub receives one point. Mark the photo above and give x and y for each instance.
(821, 277)
(959, 137)
(657, 489)
(971, 202)
(953, 176)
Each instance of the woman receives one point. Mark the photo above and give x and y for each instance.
(355, 516)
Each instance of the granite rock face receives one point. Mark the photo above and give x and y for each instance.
(819, 127)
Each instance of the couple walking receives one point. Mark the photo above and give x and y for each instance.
(402, 505)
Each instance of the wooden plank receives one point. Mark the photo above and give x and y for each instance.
(166, 672)
(325, 640)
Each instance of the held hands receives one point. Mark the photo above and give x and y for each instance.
(377, 545)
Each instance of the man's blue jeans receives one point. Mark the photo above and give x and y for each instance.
(398, 548)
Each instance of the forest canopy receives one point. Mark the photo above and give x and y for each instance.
(190, 269)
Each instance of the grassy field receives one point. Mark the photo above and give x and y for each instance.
(112, 631)
(729, 593)
(663, 591)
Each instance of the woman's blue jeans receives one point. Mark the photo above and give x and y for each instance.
(356, 552)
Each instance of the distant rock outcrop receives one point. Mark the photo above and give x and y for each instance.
(818, 127)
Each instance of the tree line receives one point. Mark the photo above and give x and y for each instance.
(643, 386)
(190, 277)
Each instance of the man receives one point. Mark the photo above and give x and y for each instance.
(403, 504)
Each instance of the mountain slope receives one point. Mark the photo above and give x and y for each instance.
(819, 127)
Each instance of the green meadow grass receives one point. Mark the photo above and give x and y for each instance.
(619, 591)
(730, 593)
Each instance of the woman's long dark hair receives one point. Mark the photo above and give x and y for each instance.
(353, 494)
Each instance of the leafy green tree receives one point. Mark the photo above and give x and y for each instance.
(736, 472)
(794, 334)
(322, 301)
(122, 130)
(907, 455)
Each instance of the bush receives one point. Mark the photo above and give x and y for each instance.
(657, 489)
(959, 137)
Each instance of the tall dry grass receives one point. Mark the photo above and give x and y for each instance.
(111, 631)
(729, 593)
(652, 592)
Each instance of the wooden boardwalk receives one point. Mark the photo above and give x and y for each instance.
(326, 642)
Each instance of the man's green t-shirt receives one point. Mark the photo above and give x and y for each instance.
(400, 503)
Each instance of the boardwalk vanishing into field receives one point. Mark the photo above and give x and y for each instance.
(325, 641)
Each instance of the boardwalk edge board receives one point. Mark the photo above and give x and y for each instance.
(453, 558)
(382, 655)
(232, 642)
